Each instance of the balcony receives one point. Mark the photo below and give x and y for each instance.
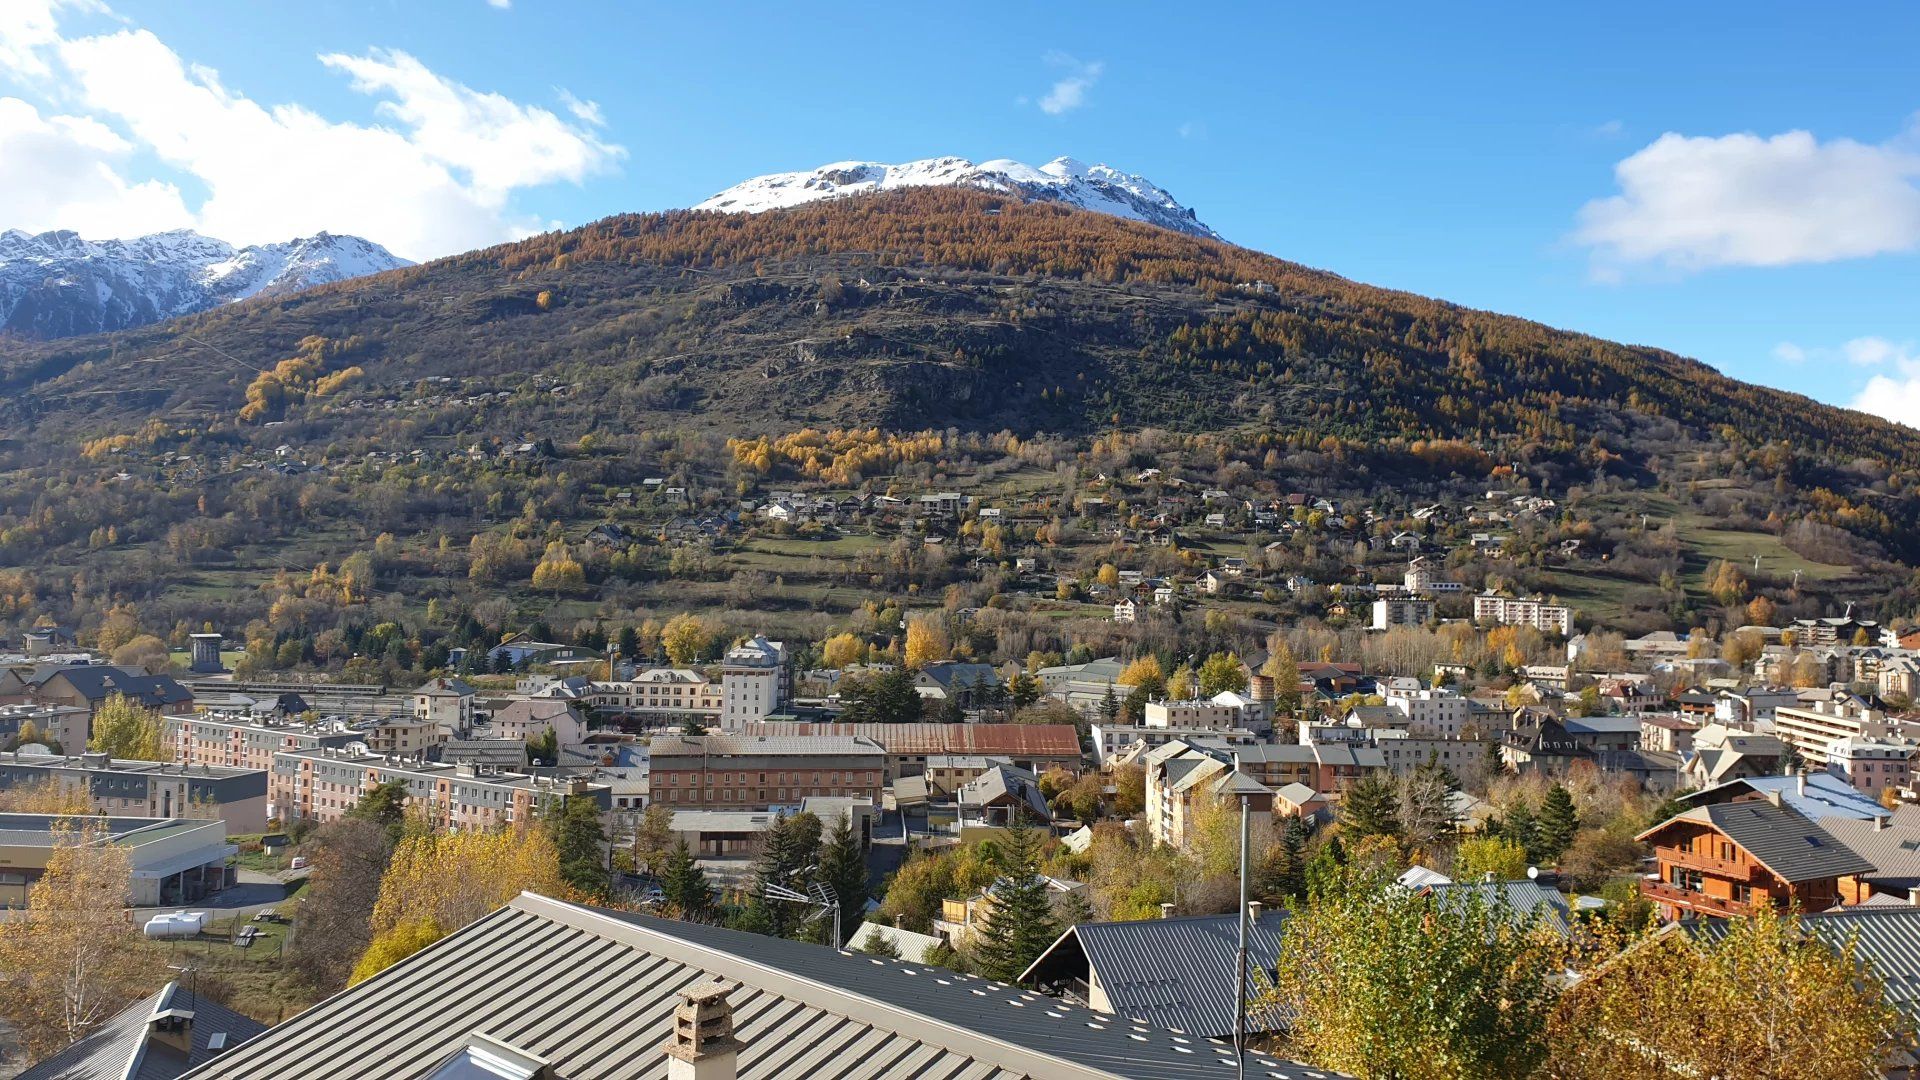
(1661, 892)
(1706, 864)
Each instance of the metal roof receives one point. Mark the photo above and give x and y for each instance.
(119, 1050)
(1176, 974)
(1524, 899)
(1791, 846)
(1887, 939)
(1893, 847)
(594, 991)
(1820, 797)
(921, 739)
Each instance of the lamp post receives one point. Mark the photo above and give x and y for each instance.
(1240, 983)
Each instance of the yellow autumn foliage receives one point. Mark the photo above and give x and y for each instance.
(839, 456)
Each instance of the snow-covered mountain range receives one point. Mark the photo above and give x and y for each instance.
(56, 284)
(1063, 180)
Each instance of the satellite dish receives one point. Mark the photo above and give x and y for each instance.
(1533, 873)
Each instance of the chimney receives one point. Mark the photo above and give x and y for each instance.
(1488, 876)
(1879, 823)
(1800, 783)
(1166, 911)
(702, 1046)
(1913, 895)
(1254, 910)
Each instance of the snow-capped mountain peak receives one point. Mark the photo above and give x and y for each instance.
(1100, 188)
(56, 284)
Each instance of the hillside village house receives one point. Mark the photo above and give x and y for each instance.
(448, 702)
(1721, 860)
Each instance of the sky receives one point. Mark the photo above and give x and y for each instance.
(1738, 183)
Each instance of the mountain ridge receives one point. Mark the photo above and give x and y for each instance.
(58, 284)
(1064, 180)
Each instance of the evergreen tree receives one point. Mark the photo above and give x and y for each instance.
(881, 946)
(1371, 807)
(1558, 822)
(1110, 706)
(843, 869)
(685, 884)
(1026, 690)
(1020, 921)
(1520, 828)
(791, 847)
(887, 697)
(574, 825)
(1287, 863)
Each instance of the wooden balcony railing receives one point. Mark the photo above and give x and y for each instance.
(1661, 892)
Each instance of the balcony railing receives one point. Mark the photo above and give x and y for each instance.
(1693, 860)
(1662, 892)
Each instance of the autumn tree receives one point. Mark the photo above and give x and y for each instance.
(1284, 670)
(1220, 673)
(1382, 982)
(558, 570)
(73, 958)
(653, 837)
(1478, 856)
(1762, 999)
(44, 796)
(686, 638)
(333, 928)
(122, 729)
(146, 652)
(842, 651)
(926, 641)
(448, 880)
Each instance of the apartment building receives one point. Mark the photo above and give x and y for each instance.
(1873, 765)
(1810, 729)
(448, 702)
(1392, 611)
(67, 725)
(755, 682)
(244, 742)
(1033, 747)
(323, 784)
(1435, 711)
(147, 789)
(661, 697)
(761, 772)
(1523, 611)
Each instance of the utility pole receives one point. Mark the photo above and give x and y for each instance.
(1240, 984)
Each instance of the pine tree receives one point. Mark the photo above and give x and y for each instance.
(1110, 706)
(843, 869)
(1521, 828)
(1371, 807)
(575, 827)
(685, 884)
(1020, 921)
(1558, 822)
(1287, 867)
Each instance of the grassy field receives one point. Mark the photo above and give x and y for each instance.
(256, 980)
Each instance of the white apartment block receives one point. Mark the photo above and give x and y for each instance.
(1198, 715)
(1523, 611)
(1436, 711)
(754, 681)
(1812, 729)
(662, 695)
(242, 742)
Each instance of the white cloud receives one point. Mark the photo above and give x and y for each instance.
(1070, 91)
(587, 112)
(500, 4)
(1896, 399)
(1869, 351)
(1893, 394)
(62, 172)
(1610, 129)
(1690, 203)
(28, 28)
(438, 176)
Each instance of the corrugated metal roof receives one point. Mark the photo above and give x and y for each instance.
(1176, 974)
(593, 992)
(1886, 939)
(1525, 899)
(1018, 740)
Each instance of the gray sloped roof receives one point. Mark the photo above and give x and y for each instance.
(1176, 974)
(1893, 849)
(1524, 899)
(593, 992)
(1887, 939)
(118, 1049)
(1784, 842)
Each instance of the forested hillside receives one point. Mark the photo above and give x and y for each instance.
(475, 411)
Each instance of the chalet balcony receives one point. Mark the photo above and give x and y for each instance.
(1687, 900)
(1706, 864)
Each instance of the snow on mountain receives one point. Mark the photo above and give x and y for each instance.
(1064, 180)
(56, 284)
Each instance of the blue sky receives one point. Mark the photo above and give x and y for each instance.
(1732, 182)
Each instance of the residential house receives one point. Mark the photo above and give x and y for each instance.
(1721, 754)
(532, 719)
(967, 685)
(1720, 860)
(1811, 729)
(89, 686)
(448, 702)
(1873, 766)
(1003, 796)
(162, 1036)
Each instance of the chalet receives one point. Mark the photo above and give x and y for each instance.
(1721, 860)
